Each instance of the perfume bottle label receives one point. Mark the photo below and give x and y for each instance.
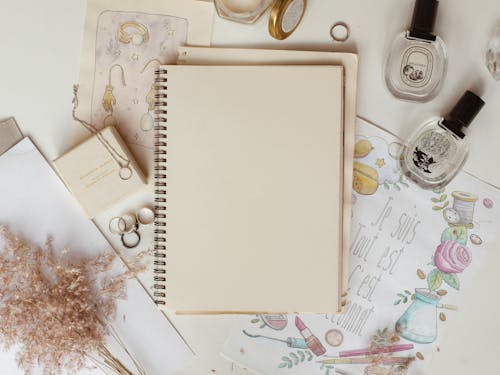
(430, 151)
(416, 66)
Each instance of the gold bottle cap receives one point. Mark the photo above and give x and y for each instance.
(285, 17)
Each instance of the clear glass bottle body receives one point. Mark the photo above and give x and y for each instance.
(243, 11)
(493, 54)
(433, 155)
(415, 68)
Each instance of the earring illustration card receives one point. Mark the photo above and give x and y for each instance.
(124, 42)
(255, 177)
(36, 204)
(100, 172)
(413, 255)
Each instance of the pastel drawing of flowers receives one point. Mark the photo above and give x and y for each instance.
(452, 257)
(458, 233)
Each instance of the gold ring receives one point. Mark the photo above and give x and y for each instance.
(340, 26)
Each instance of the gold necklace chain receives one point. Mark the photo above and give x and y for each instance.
(125, 171)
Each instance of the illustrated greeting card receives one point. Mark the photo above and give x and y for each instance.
(124, 42)
(412, 254)
(129, 47)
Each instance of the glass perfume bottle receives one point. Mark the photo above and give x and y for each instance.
(438, 149)
(493, 54)
(416, 64)
(243, 11)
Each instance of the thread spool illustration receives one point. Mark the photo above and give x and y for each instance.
(464, 203)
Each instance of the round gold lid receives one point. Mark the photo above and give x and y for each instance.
(285, 17)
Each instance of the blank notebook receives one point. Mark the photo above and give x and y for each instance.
(249, 188)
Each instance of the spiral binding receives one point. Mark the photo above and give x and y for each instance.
(160, 178)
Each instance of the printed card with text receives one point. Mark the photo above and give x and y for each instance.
(412, 254)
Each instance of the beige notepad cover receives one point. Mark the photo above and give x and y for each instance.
(237, 56)
(254, 188)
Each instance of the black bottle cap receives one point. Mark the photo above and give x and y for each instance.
(463, 113)
(424, 18)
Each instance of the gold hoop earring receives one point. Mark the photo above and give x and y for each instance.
(137, 38)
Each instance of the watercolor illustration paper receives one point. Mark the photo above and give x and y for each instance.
(124, 42)
(412, 254)
(128, 50)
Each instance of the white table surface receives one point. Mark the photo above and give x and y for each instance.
(39, 62)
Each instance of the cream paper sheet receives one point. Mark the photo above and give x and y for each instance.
(254, 176)
(231, 56)
(124, 42)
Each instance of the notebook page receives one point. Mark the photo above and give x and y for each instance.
(254, 191)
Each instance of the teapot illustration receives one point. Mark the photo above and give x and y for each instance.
(419, 322)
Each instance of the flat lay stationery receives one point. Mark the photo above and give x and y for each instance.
(271, 187)
(412, 254)
(250, 186)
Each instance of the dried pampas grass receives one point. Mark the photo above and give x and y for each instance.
(382, 339)
(56, 310)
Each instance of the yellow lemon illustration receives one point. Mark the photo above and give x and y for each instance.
(362, 148)
(365, 179)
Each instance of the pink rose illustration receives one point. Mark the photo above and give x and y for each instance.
(451, 257)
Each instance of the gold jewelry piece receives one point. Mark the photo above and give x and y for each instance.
(130, 222)
(340, 32)
(145, 216)
(140, 36)
(108, 99)
(285, 17)
(128, 239)
(117, 225)
(122, 161)
(127, 226)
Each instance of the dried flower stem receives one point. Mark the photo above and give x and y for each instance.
(118, 339)
(113, 362)
(382, 339)
(55, 309)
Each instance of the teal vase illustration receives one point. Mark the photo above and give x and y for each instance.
(419, 322)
